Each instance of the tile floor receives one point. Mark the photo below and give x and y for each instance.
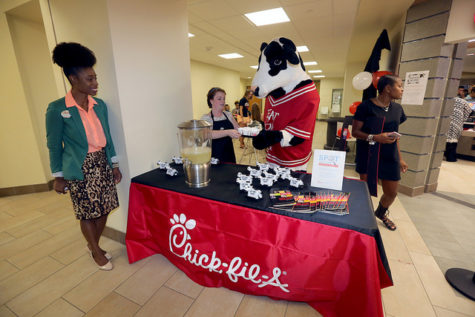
(45, 270)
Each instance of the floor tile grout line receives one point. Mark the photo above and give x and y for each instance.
(38, 282)
(451, 310)
(453, 199)
(194, 301)
(240, 303)
(166, 286)
(286, 308)
(5, 305)
(423, 285)
(20, 270)
(67, 301)
(16, 266)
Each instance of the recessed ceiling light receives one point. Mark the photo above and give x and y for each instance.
(471, 54)
(315, 71)
(190, 35)
(319, 76)
(254, 66)
(472, 40)
(267, 17)
(230, 55)
(310, 63)
(248, 77)
(302, 48)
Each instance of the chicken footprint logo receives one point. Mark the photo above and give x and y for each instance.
(181, 226)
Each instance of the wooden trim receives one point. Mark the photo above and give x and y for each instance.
(114, 234)
(410, 191)
(27, 189)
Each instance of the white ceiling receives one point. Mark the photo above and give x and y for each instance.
(330, 28)
(336, 31)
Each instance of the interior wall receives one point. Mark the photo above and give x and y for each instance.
(20, 157)
(33, 58)
(461, 25)
(326, 87)
(204, 77)
(350, 94)
(151, 56)
(68, 26)
(390, 59)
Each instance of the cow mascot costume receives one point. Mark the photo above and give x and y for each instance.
(291, 105)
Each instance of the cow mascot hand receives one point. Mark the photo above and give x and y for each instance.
(291, 105)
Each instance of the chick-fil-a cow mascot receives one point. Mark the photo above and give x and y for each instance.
(291, 105)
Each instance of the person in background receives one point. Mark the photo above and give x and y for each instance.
(81, 152)
(224, 126)
(390, 161)
(244, 112)
(461, 92)
(235, 111)
(471, 96)
(256, 118)
(460, 114)
(226, 107)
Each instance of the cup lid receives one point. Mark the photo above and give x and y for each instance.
(194, 124)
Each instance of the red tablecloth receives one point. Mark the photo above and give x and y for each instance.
(337, 271)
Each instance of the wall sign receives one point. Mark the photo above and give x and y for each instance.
(415, 88)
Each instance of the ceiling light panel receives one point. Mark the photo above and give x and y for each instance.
(319, 76)
(267, 17)
(230, 56)
(255, 67)
(314, 71)
(302, 48)
(310, 63)
(190, 35)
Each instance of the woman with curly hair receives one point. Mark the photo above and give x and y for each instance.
(81, 152)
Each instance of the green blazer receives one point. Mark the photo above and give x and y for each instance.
(67, 140)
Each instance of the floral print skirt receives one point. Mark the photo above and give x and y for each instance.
(95, 195)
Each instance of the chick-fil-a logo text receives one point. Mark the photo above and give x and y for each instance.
(180, 245)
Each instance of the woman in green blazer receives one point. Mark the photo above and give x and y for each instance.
(82, 155)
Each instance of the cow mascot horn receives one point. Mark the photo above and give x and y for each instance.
(291, 105)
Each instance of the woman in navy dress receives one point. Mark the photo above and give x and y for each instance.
(381, 109)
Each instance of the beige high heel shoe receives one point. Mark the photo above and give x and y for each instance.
(107, 255)
(106, 267)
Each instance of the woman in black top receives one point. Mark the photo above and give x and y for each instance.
(381, 111)
(224, 126)
(244, 112)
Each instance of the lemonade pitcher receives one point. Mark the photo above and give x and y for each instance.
(194, 137)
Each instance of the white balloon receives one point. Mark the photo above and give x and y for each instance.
(362, 80)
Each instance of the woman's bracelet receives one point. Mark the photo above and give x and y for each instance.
(370, 139)
(115, 165)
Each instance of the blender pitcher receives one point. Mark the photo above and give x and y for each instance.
(194, 137)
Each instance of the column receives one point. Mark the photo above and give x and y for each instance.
(424, 48)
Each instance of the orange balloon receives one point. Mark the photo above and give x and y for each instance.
(377, 75)
(348, 134)
(353, 106)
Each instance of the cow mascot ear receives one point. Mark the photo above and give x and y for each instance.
(289, 51)
(263, 46)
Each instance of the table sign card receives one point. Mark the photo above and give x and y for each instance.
(328, 168)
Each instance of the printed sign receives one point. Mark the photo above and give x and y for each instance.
(180, 245)
(328, 169)
(415, 88)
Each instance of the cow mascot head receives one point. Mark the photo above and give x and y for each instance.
(291, 105)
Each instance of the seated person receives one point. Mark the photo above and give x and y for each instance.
(224, 126)
(256, 118)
